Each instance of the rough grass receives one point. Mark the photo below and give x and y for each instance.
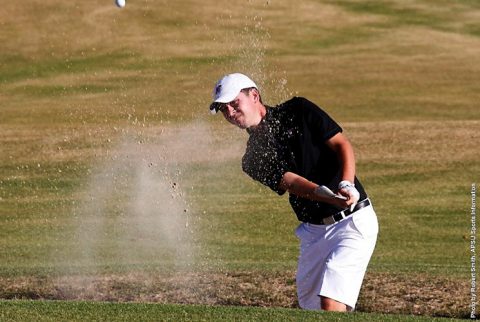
(93, 98)
(410, 294)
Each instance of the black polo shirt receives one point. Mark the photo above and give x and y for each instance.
(292, 137)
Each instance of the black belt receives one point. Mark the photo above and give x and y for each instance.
(345, 213)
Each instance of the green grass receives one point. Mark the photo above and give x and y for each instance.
(18, 68)
(81, 311)
(255, 231)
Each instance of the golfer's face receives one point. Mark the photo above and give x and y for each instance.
(240, 111)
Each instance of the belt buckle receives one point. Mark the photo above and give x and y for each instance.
(329, 220)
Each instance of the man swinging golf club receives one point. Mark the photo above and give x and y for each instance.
(297, 147)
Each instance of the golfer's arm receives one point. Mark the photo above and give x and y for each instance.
(299, 186)
(344, 151)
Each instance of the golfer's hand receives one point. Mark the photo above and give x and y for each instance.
(342, 204)
(347, 189)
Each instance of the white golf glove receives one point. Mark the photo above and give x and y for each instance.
(351, 191)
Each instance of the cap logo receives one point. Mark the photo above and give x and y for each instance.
(218, 89)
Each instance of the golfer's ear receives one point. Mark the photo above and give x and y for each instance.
(256, 94)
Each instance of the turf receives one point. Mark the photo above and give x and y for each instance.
(81, 311)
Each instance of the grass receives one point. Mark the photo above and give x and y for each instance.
(81, 311)
(103, 123)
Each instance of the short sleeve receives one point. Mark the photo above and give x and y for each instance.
(317, 121)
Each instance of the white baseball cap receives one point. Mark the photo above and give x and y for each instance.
(228, 88)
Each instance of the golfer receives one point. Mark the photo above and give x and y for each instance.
(297, 148)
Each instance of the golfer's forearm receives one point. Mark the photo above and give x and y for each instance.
(344, 151)
(299, 186)
(347, 159)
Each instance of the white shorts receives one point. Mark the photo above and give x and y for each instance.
(333, 258)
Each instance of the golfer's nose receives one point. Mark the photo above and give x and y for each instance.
(230, 110)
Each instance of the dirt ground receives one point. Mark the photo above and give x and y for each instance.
(381, 292)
